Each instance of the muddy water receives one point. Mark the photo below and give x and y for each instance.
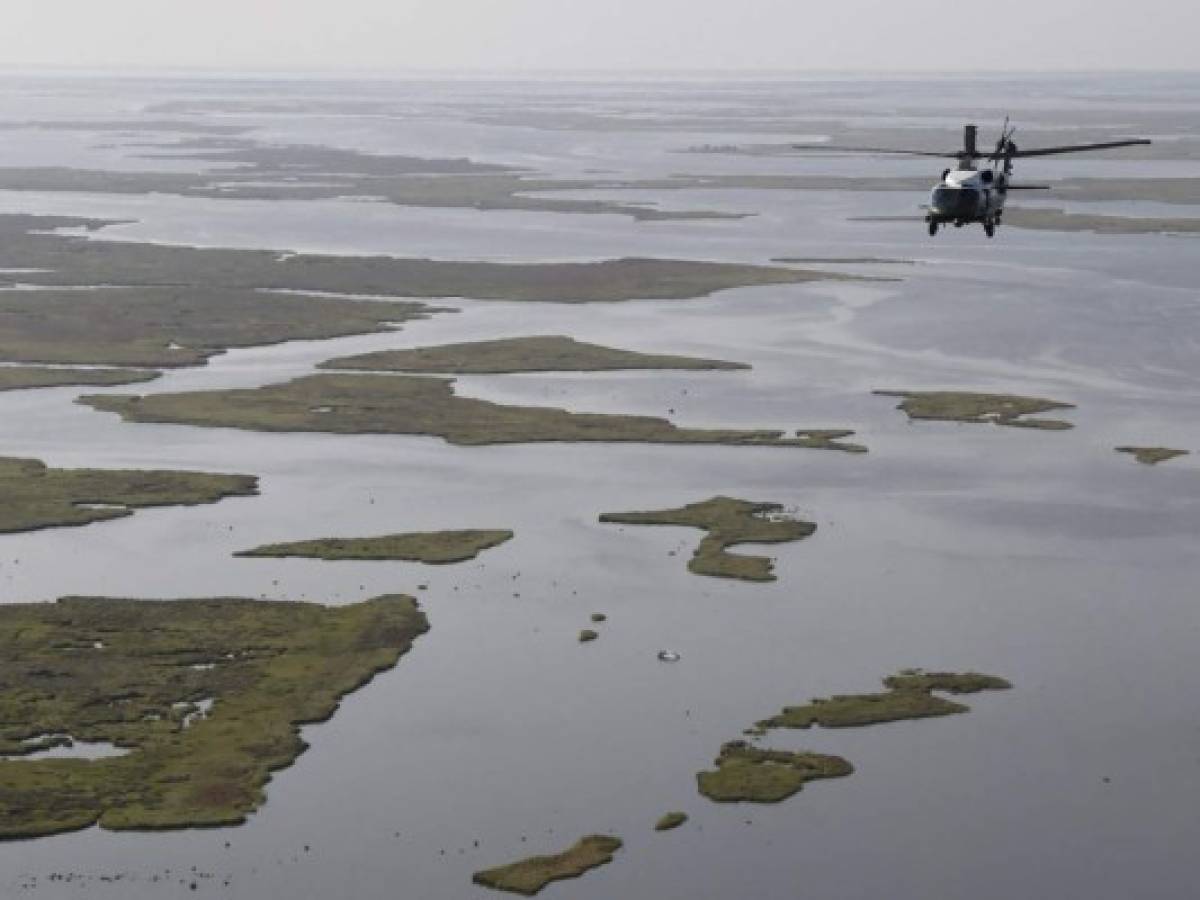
(1043, 557)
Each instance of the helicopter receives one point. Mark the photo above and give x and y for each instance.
(966, 194)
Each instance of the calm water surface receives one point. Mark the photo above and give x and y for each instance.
(1043, 557)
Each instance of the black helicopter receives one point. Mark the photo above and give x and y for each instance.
(967, 194)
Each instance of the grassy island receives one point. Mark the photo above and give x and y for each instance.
(1152, 456)
(542, 353)
(728, 522)
(409, 404)
(964, 406)
(433, 547)
(529, 876)
(34, 496)
(746, 773)
(909, 696)
(828, 439)
(18, 378)
(207, 697)
(670, 821)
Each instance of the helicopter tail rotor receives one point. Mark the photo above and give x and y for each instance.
(1005, 148)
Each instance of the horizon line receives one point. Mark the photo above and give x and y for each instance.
(148, 69)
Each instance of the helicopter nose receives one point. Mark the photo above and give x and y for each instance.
(952, 202)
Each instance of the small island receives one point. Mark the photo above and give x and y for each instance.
(36, 496)
(416, 405)
(670, 821)
(541, 353)
(529, 876)
(909, 696)
(199, 701)
(752, 774)
(1152, 456)
(964, 406)
(729, 522)
(431, 547)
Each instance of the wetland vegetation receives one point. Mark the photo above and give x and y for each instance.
(207, 697)
(414, 405)
(670, 821)
(176, 305)
(729, 522)
(1049, 219)
(541, 353)
(909, 696)
(745, 772)
(965, 406)
(35, 496)
(1152, 456)
(177, 326)
(756, 775)
(433, 547)
(239, 168)
(529, 876)
(16, 378)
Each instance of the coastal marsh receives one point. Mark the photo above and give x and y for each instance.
(542, 353)
(910, 695)
(34, 496)
(530, 876)
(729, 522)
(432, 547)
(207, 697)
(415, 405)
(751, 774)
(965, 406)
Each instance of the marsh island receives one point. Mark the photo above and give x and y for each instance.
(18, 378)
(205, 698)
(529, 876)
(35, 496)
(409, 404)
(729, 522)
(1152, 456)
(433, 547)
(752, 774)
(909, 696)
(965, 406)
(542, 353)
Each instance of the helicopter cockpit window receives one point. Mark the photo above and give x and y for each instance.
(946, 198)
(955, 201)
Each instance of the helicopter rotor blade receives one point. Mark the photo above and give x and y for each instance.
(1069, 148)
(837, 149)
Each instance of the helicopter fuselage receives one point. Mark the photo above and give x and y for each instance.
(967, 195)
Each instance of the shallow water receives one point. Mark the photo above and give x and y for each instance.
(1042, 557)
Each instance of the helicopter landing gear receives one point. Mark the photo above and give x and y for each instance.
(989, 227)
(933, 226)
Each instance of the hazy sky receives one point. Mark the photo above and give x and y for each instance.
(602, 34)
